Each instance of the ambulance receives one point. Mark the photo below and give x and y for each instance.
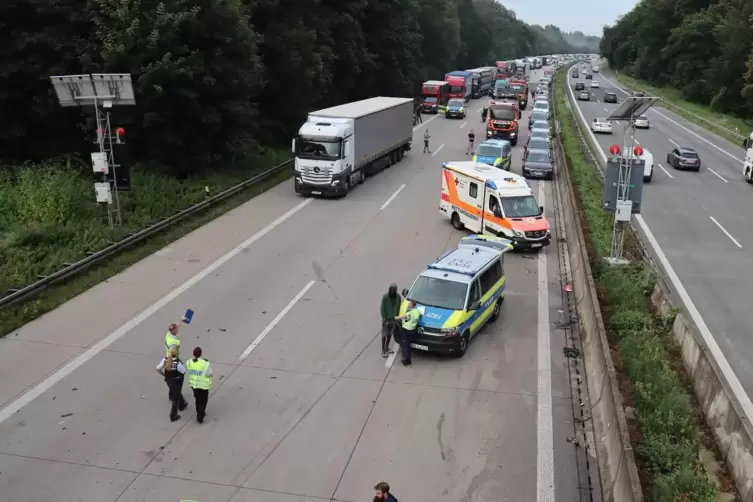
(486, 200)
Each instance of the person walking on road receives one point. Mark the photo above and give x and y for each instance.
(172, 368)
(389, 309)
(383, 493)
(426, 141)
(171, 337)
(409, 327)
(418, 115)
(471, 140)
(200, 380)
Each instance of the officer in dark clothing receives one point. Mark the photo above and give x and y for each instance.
(383, 493)
(418, 113)
(174, 371)
(484, 112)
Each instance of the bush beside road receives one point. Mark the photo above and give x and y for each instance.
(667, 430)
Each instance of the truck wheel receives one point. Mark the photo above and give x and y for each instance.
(749, 175)
(361, 177)
(456, 223)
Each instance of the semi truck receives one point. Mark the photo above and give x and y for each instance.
(336, 148)
(461, 84)
(748, 161)
(483, 79)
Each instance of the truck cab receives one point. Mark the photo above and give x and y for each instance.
(502, 122)
(434, 96)
(748, 162)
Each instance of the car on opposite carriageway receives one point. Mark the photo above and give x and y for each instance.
(610, 97)
(580, 86)
(584, 96)
(684, 158)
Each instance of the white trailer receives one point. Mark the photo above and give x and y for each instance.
(336, 148)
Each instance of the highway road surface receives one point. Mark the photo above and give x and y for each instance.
(702, 220)
(286, 293)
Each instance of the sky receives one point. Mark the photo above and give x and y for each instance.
(573, 15)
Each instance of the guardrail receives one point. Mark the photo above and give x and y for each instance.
(70, 269)
(725, 404)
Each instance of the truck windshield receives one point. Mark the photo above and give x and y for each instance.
(440, 293)
(430, 99)
(308, 147)
(516, 88)
(457, 89)
(520, 207)
(502, 113)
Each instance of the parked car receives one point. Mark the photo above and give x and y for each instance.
(610, 97)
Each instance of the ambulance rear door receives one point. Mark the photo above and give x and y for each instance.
(465, 196)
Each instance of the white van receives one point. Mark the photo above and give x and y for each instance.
(648, 169)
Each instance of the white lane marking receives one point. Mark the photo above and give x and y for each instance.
(545, 442)
(425, 122)
(276, 321)
(72, 366)
(395, 348)
(463, 124)
(665, 171)
(717, 175)
(720, 149)
(673, 142)
(725, 232)
(437, 150)
(703, 328)
(605, 109)
(392, 197)
(636, 142)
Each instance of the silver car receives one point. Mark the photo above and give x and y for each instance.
(642, 122)
(540, 134)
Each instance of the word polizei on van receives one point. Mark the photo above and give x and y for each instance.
(486, 200)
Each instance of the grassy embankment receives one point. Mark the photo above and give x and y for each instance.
(667, 429)
(718, 123)
(48, 217)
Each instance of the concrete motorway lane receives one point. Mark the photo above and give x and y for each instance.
(313, 412)
(701, 220)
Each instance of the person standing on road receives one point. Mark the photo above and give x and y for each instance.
(471, 140)
(200, 380)
(426, 141)
(383, 493)
(171, 337)
(172, 368)
(418, 114)
(389, 309)
(409, 327)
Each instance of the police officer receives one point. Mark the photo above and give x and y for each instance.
(200, 380)
(172, 368)
(171, 337)
(409, 326)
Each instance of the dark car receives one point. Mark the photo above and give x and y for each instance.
(538, 164)
(575, 74)
(579, 86)
(589, 76)
(684, 158)
(536, 116)
(639, 94)
(584, 96)
(610, 97)
(537, 144)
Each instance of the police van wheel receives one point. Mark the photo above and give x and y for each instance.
(456, 223)
(496, 311)
(463, 345)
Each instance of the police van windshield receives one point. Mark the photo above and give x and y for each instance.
(502, 113)
(440, 293)
(308, 147)
(489, 151)
(520, 207)
(456, 102)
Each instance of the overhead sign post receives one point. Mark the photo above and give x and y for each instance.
(102, 91)
(623, 188)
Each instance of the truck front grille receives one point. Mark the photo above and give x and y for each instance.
(317, 175)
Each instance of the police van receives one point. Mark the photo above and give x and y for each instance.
(494, 152)
(457, 295)
(486, 200)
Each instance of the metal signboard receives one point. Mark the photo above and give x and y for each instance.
(612, 185)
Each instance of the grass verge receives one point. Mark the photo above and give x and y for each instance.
(21, 262)
(667, 430)
(726, 126)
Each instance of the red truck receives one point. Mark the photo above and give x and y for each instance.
(520, 87)
(504, 70)
(503, 121)
(434, 96)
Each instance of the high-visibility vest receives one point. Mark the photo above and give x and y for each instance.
(411, 319)
(197, 374)
(171, 340)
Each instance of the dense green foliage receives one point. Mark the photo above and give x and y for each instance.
(216, 78)
(667, 441)
(700, 47)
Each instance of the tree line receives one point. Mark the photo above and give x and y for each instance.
(700, 47)
(214, 79)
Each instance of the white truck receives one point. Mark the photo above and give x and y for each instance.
(748, 161)
(336, 148)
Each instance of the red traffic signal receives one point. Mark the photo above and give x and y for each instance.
(614, 149)
(120, 131)
(638, 151)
